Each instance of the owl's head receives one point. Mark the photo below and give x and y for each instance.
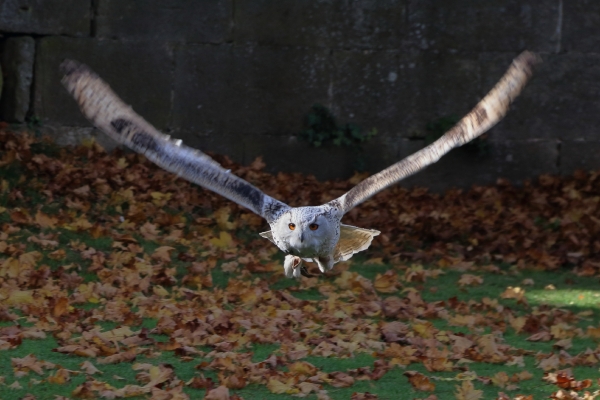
(308, 231)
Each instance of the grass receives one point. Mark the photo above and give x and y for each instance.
(112, 278)
(578, 295)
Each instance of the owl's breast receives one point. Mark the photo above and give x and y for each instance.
(307, 247)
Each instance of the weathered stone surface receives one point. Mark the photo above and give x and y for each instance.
(379, 90)
(452, 83)
(579, 154)
(1, 82)
(463, 167)
(207, 21)
(291, 154)
(244, 90)
(18, 54)
(455, 83)
(383, 151)
(512, 160)
(560, 101)
(581, 22)
(280, 153)
(331, 23)
(140, 72)
(46, 17)
(492, 25)
(238, 77)
(288, 154)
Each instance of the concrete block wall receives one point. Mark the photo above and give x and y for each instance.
(237, 77)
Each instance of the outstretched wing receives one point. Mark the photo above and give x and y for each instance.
(486, 114)
(116, 119)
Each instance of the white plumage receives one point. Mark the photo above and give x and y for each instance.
(303, 233)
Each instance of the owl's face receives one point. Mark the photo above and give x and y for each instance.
(307, 231)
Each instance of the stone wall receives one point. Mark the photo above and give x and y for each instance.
(238, 76)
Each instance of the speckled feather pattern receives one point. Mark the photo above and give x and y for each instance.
(327, 244)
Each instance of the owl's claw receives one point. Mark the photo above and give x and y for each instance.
(325, 263)
(292, 266)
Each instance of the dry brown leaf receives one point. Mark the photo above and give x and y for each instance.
(466, 391)
(44, 220)
(470, 280)
(500, 379)
(163, 253)
(420, 381)
(278, 387)
(340, 379)
(89, 368)
(386, 283)
(60, 377)
(302, 368)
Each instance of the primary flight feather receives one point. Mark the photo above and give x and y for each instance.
(303, 233)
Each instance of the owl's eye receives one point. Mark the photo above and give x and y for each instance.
(292, 226)
(313, 227)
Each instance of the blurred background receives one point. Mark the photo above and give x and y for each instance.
(319, 87)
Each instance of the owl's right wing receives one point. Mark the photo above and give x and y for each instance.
(112, 116)
(486, 114)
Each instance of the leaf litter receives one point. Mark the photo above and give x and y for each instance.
(91, 240)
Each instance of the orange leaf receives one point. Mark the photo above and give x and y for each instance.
(163, 253)
(44, 220)
(278, 387)
(60, 377)
(60, 307)
(470, 280)
(386, 283)
(302, 368)
(420, 381)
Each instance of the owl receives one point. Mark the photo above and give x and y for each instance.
(311, 233)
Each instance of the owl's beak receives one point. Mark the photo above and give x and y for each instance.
(302, 237)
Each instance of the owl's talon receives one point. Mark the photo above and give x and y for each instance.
(325, 263)
(292, 266)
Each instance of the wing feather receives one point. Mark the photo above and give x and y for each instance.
(112, 116)
(486, 114)
(352, 240)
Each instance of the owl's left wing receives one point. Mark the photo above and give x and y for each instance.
(486, 114)
(352, 240)
(112, 116)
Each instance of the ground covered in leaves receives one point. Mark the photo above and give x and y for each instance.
(118, 280)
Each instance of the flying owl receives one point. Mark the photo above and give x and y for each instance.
(303, 233)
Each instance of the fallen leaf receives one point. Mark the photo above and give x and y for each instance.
(466, 391)
(420, 381)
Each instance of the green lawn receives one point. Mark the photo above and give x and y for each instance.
(118, 281)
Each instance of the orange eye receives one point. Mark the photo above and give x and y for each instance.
(313, 227)
(292, 226)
